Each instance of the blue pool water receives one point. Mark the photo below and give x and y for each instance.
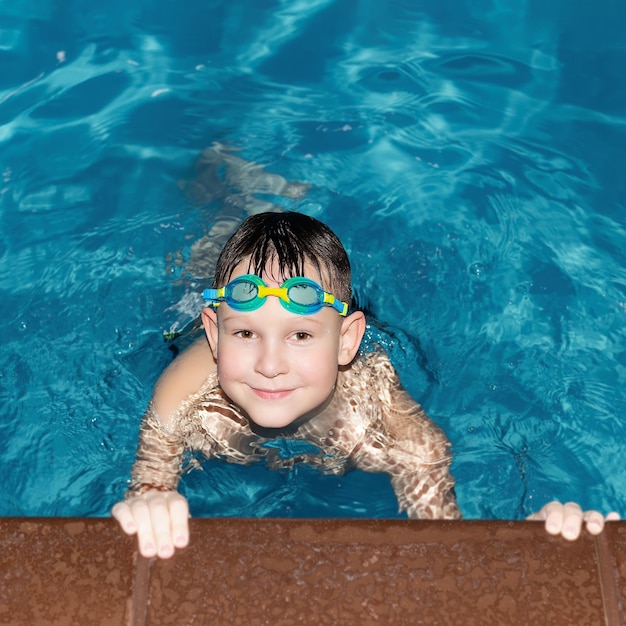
(470, 154)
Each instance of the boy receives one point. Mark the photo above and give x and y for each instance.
(281, 360)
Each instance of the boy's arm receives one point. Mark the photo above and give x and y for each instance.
(185, 393)
(152, 507)
(567, 519)
(408, 446)
(183, 377)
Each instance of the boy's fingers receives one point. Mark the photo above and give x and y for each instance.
(559, 518)
(122, 513)
(567, 519)
(571, 521)
(160, 519)
(594, 522)
(563, 519)
(141, 512)
(179, 513)
(160, 523)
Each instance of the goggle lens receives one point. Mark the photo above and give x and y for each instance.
(305, 295)
(243, 291)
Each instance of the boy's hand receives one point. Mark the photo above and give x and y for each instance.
(567, 519)
(160, 519)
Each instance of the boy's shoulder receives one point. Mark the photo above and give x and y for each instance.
(373, 384)
(371, 375)
(373, 365)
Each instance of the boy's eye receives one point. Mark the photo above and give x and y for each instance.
(245, 334)
(302, 336)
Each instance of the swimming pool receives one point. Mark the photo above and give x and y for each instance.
(469, 155)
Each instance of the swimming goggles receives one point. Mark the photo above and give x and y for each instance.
(298, 295)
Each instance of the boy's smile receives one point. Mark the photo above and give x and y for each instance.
(278, 366)
(270, 394)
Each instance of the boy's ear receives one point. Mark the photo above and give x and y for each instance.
(352, 330)
(209, 321)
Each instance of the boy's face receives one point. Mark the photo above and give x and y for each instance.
(279, 366)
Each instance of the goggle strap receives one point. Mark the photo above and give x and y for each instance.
(339, 306)
(213, 294)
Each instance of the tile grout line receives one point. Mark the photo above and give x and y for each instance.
(141, 591)
(609, 582)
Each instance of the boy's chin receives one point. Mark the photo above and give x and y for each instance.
(272, 422)
(281, 420)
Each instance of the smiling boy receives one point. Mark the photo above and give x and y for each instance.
(281, 360)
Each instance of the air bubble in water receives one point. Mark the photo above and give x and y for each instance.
(479, 270)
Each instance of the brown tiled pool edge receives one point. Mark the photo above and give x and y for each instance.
(268, 571)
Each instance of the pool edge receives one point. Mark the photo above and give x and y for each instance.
(258, 571)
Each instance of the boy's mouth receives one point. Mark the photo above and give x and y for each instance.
(272, 394)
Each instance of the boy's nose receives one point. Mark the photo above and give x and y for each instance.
(271, 360)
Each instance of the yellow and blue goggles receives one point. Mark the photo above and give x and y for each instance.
(298, 295)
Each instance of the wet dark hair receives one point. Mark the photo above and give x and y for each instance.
(291, 240)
